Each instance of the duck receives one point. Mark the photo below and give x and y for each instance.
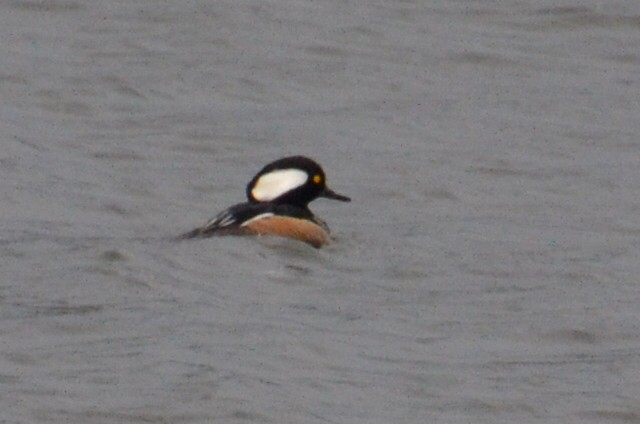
(278, 198)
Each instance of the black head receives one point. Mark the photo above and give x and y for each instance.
(294, 180)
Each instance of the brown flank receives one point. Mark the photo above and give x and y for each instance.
(294, 228)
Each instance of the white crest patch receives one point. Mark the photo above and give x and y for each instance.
(276, 183)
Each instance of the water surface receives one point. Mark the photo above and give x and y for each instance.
(486, 270)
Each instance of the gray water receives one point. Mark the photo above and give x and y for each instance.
(486, 271)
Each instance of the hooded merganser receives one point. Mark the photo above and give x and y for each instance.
(279, 197)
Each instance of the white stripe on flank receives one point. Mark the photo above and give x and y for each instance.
(276, 183)
(257, 217)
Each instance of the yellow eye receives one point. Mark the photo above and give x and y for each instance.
(317, 179)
